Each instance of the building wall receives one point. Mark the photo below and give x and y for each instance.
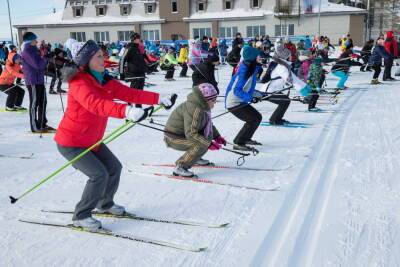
(357, 29)
(174, 24)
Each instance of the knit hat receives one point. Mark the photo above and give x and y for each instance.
(134, 36)
(83, 52)
(29, 37)
(250, 54)
(12, 47)
(15, 57)
(208, 91)
(282, 52)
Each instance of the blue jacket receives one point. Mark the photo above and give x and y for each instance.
(223, 48)
(33, 65)
(237, 85)
(378, 52)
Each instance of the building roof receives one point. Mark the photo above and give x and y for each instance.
(56, 19)
(229, 14)
(327, 7)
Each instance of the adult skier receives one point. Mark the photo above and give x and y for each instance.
(90, 104)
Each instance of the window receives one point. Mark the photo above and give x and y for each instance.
(124, 35)
(101, 37)
(79, 36)
(255, 3)
(125, 9)
(77, 11)
(174, 6)
(201, 6)
(201, 32)
(151, 35)
(227, 32)
(150, 8)
(253, 31)
(283, 30)
(228, 5)
(101, 10)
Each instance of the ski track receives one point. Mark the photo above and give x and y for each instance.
(336, 206)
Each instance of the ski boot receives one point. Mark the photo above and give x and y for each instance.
(88, 223)
(375, 82)
(115, 210)
(204, 162)
(252, 143)
(182, 171)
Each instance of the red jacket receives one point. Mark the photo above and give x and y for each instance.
(391, 45)
(11, 71)
(89, 106)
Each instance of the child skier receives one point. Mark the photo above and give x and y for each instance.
(204, 72)
(378, 53)
(90, 103)
(241, 93)
(190, 129)
(315, 81)
(342, 67)
(15, 93)
(168, 64)
(182, 60)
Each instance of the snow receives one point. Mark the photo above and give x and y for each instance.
(328, 7)
(230, 14)
(57, 19)
(338, 204)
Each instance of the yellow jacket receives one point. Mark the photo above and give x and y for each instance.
(183, 55)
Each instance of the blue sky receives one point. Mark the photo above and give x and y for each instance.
(22, 10)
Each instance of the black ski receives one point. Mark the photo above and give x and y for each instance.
(16, 157)
(107, 232)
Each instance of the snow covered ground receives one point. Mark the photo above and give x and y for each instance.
(338, 204)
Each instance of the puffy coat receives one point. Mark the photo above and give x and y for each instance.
(223, 48)
(344, 62)
(391, 45)
(204, 73)
(242, 85)
(183, 55)
(11, 71)
(303, 71)
(33, 65)
(134, 59)
(378, 53)
(189, 120)
(89, 106)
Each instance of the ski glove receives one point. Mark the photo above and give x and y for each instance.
(257, 96)
(220, 140)
(136, 114)
(168, 101)
(214, 146)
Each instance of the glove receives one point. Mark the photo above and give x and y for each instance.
(220, 140)
(257, 96)
(168, 101)
(214, 146)
(136, 114)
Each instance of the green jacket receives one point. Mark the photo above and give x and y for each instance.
(169, 60)
(189, 119)
(315, 76)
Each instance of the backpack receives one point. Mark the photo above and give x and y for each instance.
(267, 76)
(232, 59)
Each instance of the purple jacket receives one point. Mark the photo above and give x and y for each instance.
(33, 65)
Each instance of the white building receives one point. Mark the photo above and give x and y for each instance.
(112, 20)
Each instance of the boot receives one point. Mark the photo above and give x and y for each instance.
(375, 82)
(52, 92)
(253, 143)
(61, 91)
(181, 171)
(88, 223)
(11, 109)
(19, 108)
(362, 68)
(204, 162)
(115, 210)
(242, 148)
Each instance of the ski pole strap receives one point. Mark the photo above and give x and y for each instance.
(241, 160)
(110, 137)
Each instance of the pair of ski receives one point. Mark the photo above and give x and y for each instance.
(202, 180)
(131, 216)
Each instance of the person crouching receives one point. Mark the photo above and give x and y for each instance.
(190, 129)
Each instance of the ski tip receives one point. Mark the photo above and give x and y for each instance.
(200, 249)
(224, 225)
(13, 199)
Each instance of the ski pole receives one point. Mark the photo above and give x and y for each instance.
(110, 137)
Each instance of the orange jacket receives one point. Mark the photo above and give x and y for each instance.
(11, 71)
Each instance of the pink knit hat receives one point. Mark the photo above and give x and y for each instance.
(208, 91)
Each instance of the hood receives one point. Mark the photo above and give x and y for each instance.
(389, 34)
(197, 98)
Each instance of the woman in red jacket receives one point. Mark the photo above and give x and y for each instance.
(90, 103)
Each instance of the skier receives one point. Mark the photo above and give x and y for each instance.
(223, 51)
(391, 48)
(315, 80)
(241, 93)
(182, 60)
(33, 67)
(378, 53)
(136, 65)
(169, 64)
(281, 78)
(15, 93)
(205, 71)
(342, 67)
(90, 103)
(365, 55)
(189, 128)
(56, 63)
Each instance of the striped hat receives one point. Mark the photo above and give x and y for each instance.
(208, 91)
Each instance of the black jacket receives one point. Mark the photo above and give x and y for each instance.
(344, 62)
(204, 73)
(134, 60)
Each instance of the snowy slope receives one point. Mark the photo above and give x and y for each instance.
(336, 207)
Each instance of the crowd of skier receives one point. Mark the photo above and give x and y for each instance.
(282, 71)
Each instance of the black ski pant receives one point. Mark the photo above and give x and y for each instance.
(104, 172)
(54, 79)
(184, 69)
(387, 73)
(170, 72)
(15, 95)
(138, 84)
(377, 71)
(283, 102)
(37, 106)
(312, 99)
(252, 119)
